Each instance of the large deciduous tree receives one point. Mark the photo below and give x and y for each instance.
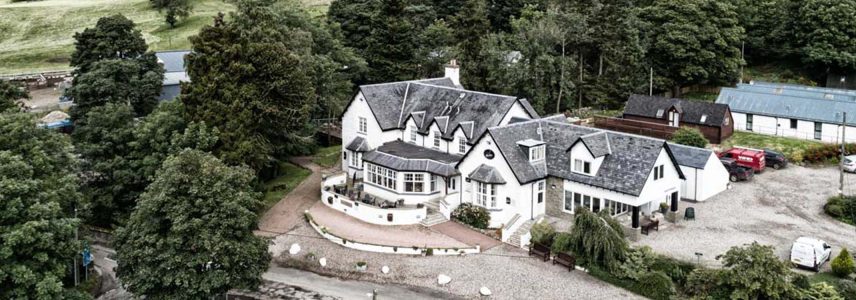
(173, 9)
(826, 32)
(112, 37)
(191, 236)
(9, 93)
(136, 82)
(38, 194)
(103, 139)
(693, 42)
(598, 238)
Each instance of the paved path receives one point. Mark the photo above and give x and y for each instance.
(404, 236)
(348, 289)
(466, 235)
(288, 212)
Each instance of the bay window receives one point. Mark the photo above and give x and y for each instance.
(381, 176)
(485, 195)
(413, 182)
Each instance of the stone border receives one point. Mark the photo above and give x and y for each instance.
(409, 250)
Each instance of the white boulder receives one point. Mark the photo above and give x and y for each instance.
(323, 262)
(484, 291)
(295, 248)
(443, 279)
(385, 269)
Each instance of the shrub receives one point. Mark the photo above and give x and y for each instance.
(656, 285)
(561, 242)
(690, 137)
(475, 216)
(841, 208)
(637, 263)
(678, 270)
(847, 289)
(822, 290)
(801, 281)
(826, 153)
(542, 233)
(843, 264)
(703, 283)
(598, 238)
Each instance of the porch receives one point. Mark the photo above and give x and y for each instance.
(354, 200)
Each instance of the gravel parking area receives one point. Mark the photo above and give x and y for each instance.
(774, 208)
(508, 272)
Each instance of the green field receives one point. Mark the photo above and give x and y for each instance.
(278, 187)
(328, 157)
(38, 36)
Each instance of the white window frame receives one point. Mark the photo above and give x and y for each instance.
(674, 118)
(355, 160)
(586, 201)
(413, 132)
(363, 126)
(750, 120)
(818, 131)
(437, 139)
(462, 145)
(536, 153)
(540, 187)
(659, 172)
(580, 166)
(414, 182)
(485, 194)
(434, 187)
(381, 176)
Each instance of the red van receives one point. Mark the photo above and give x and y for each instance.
(747, 157)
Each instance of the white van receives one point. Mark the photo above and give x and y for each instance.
(810, 253)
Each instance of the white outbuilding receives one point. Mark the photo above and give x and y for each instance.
(705, 175)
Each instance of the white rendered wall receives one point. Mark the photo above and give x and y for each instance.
(656, 191)
(714, 179)
(579, 151)
(830, 133)
(688, 186)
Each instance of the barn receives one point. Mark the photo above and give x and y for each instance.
(713, 120)
(705, 175)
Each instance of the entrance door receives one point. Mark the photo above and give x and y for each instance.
(674, 201)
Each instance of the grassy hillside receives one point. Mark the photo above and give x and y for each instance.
(37, 36)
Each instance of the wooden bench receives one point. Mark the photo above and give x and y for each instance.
(539, 251)
(647, 226)
(567, 260)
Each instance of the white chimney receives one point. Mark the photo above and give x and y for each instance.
(453, 72)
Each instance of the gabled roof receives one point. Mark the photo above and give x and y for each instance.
(597, 143)
(625, 170)
(358, 145)
(486, 174)
(691, 111)
(438, 100)
(401, 156)
(783, 106)
(690, 156)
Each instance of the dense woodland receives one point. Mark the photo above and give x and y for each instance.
(261, 73)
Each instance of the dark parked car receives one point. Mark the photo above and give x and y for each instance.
(775, 159)
(736, 172)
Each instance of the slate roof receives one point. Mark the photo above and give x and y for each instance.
(401, 156)
(173, 61)
(438, 100)
(173, 64)
(597, 143)
(358, 145)
(691, 111)
(625, 170)
(486, 174)
(783, 106)
(791, 86)
(690, 156)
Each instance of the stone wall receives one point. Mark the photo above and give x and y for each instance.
(556, 199)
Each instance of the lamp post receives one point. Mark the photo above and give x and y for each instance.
(698, 257)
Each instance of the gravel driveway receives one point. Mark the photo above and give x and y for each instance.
(508, 272)
(774, 208)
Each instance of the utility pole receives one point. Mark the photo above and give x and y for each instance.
(742, 59)
(651, 82)
(580, 104)
(75, 252)
(841, 166)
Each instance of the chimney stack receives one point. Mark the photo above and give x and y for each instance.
(453, 72)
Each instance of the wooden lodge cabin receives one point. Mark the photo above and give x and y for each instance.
(667, 114)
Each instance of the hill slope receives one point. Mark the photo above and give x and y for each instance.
(38, 36)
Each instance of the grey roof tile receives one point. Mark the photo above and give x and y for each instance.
(691, 111)
(486, 174)
(358, 144)
(401, 156)
(690, 156)
(597, 143)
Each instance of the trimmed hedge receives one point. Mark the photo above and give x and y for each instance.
(654, 285)
(841, 208)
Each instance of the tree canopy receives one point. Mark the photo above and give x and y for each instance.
(173, 9)
(191, 236)
(9, 93)
(826, 30)
(113, 37)
(392, 47)
(136, 82)
(38, 194)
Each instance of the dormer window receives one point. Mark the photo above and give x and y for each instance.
(674, 118)
(436, 139)
(536, 153)
(581, 166)
(413, 134)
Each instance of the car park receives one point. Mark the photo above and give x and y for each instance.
(747, 157)
(849, 163)
(775, 159)
(810, 253)
(736, 172)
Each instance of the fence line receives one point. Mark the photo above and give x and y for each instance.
(793, 133)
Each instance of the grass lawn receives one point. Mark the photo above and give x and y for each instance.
(792, 148)
(38, 36)
(777, 72)
(328, 157)
(278, 187)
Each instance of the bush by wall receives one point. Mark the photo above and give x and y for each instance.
(689, 136)
(842, 208)
(656, 285)
(826, 153)
(561, 242)
(843, 264)
(542, 233)
(475, 216)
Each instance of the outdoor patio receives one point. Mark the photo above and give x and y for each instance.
(349, 197)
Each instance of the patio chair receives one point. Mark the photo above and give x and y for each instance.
(689, 214)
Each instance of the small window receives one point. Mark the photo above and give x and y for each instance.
(413, 134)
(748, 122)
(363, 127)
(436, 139)
(581, 166)
(536, 153)
(541, 185)
(660, 113)
(703, 118)
(659, 172)
(794, 123)
(462, 145)
(818, 130)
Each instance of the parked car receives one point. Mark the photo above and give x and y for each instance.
(736, 172)
(775, 159)
(810, 253)
(747, 157)
(850, 163)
